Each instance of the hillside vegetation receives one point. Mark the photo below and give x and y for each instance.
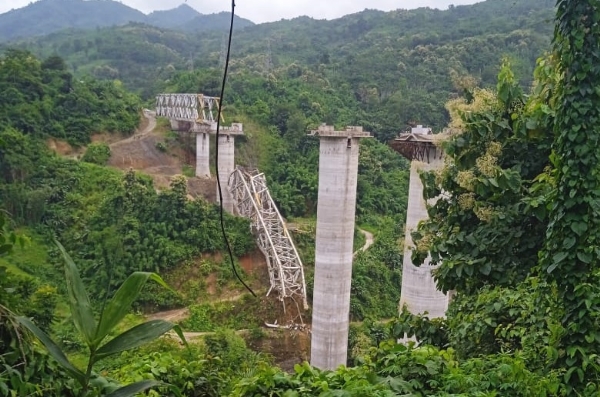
(514, 227)
(395, 68)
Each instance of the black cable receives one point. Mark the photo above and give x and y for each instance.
(217, 152)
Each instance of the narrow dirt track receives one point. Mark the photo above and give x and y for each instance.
(141, 152)
(151, 117)
(370, 239)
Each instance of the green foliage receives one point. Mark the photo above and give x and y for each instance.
(369, 299)
(571, 252)
(242, 313)
(363, 337)
(135, 228)
(420, 327)
(94, 333)
(24, 371)
(483, 233)
(307, 381)
(43, 99)
(382, 182)
(392, 69)
(208, 369)
(381, 262)
(115, 224)
(97, 153)
(8, 237)
(429, 371)
(395, 369)
(501, 319)
(359, 240)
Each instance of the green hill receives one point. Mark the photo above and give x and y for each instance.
(397, 67)
(48, 16)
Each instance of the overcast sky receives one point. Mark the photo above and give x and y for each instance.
(273, 10)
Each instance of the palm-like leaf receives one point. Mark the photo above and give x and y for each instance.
(137, 336)
(53, 349)
(134, 388)
(121, 302)
(81, 309)
(94, 334)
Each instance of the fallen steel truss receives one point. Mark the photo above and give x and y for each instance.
(253, 201)
(195, 108)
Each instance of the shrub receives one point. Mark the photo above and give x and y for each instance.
(97, 153)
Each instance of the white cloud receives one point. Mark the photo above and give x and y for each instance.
(268, 10)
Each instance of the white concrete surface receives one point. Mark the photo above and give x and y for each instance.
(202, 155)
(419, 291)
(338, 169)
(174, 125)
(226, 167)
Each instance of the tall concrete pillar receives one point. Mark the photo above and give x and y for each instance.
(226, 168)
(419, 291)
(202, 155)
(338, 169)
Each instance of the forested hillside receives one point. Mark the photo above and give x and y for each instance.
(114, 223)
(395, 68)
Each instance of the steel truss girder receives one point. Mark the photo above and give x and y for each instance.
(253, 201)
(195, 108)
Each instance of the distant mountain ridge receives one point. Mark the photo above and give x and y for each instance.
(174, 18)
(47, 16)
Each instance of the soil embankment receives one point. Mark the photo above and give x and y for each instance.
(147, 152)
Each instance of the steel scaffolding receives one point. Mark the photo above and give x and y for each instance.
(253, 200)
(195, 108)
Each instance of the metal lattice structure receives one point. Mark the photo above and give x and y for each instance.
(253, 200)
(418, 147)
(195, 108)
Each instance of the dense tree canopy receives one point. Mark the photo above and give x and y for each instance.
(43, 99)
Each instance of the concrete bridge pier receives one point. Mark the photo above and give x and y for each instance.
(226, 168)
(202, 155)
(174, 124)
(419, 292)
(338, 172)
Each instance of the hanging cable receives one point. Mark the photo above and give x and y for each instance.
(217, 152)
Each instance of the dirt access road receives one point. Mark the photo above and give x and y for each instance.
(140, 152)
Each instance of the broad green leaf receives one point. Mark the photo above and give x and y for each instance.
(53, 349)
(585, 257)
(559, 257)
(81, 309)
(579, 227)
(486, 269)
(134, 337)
(179, 333)
(135, 388)
(121, 302)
